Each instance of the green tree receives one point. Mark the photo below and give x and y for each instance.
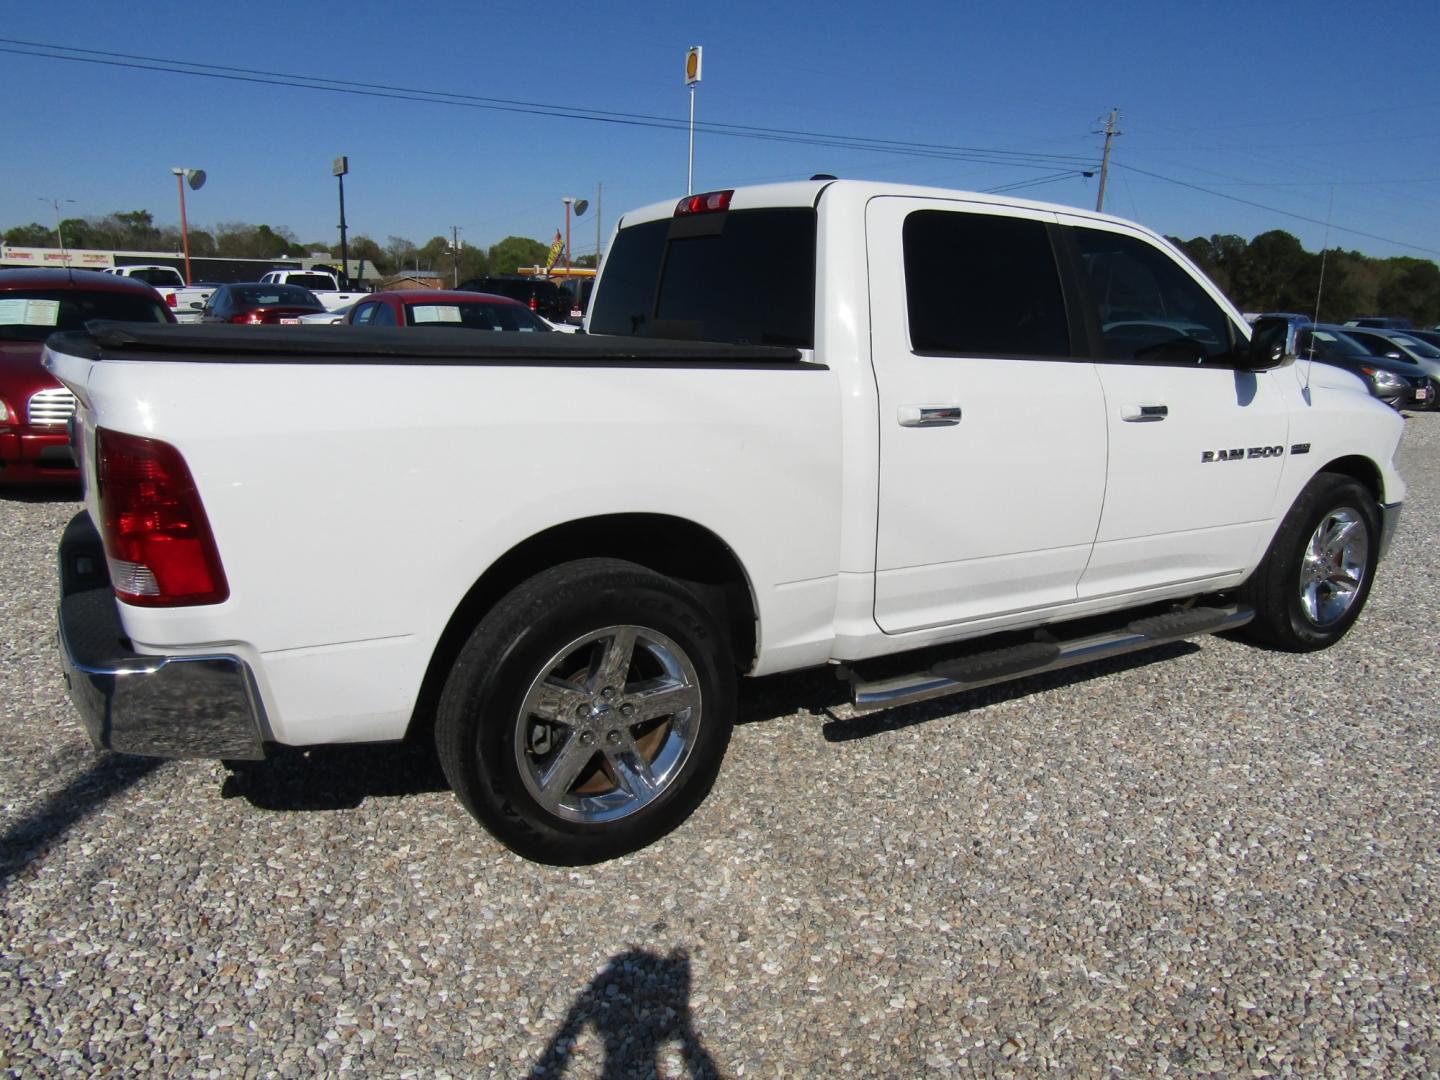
(516, 251)
(32, 235)
(236, 240)
(403, 254)
(1413, 291)
(362, 247)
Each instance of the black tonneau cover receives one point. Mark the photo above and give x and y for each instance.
(219, 344)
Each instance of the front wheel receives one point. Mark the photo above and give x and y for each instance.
(588, 713)
(1314, 580)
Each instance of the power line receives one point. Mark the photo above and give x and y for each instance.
(1276, 210)
(940, 151)
(169, 66)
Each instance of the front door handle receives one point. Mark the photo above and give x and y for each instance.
(1143, 414)
(929, 415)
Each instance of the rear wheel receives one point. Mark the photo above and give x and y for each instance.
(1313, 582)
(588, 713)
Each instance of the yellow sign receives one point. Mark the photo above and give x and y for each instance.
(556, 247)
(692, 65)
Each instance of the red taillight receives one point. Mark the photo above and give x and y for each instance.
(534, 304)
(250, 318)
(708, 203)
(157, 538)
(170, 299)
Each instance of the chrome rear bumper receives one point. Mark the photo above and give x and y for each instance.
(163, 706)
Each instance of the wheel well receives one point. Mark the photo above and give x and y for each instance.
(677, 548)
(1362, 470)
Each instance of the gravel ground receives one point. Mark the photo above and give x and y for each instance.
(1220, 861)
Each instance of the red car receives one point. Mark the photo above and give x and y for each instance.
(257, 304)
(34, 407)
(435, 307)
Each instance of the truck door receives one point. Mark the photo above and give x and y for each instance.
(992, 435)
(1196, 443)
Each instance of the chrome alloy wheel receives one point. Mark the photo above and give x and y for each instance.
(608, 724)
(1334, 566)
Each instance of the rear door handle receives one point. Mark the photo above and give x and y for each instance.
(1143, 414)
(929, 415)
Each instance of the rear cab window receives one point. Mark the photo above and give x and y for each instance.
(739, 276)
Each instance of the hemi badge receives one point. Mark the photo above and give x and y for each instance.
(1300, 448)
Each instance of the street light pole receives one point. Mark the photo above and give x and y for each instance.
(59, 236)
(184, 224)
(568, 200)
(338, 168)
(196, 179)
(692, 76)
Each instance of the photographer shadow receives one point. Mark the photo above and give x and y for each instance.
(639, 1003)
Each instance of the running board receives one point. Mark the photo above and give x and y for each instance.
(1032, 658)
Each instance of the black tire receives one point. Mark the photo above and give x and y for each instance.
(563, 756)
(1314, 580)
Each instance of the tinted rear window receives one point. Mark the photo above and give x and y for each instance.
(311, 281)
(982, 285)
(35, 314)
(752, 281)
(158, 276)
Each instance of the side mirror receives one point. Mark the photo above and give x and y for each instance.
(1272, 344)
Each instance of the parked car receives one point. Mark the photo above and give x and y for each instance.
(1380, 322)
(34, 407)
(253, 303)
(1394, 382)
(1406, 345)
(434, 307)
(326, 318)
(542, 297)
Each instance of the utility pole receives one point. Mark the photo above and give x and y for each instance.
(455, 254)
(1110, 132)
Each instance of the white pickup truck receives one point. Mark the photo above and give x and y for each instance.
(810, 423)
(186, 301)
(320, 282)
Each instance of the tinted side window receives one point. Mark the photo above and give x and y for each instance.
(982, 285)
(747, 276)
(364, 314)
(1148, 307)
(384, 315)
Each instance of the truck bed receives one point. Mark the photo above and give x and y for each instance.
(220, 344)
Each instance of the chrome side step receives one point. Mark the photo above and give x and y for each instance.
(1032, 658)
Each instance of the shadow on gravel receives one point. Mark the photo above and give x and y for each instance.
(639, 1003)
(904, 716)
(34, 834)
(335, 777)
(42, 493)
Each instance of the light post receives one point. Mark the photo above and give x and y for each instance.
(338, 168)
(59, 236)
(692, 76)
(581, 205)
(196, 179)
(568, 201)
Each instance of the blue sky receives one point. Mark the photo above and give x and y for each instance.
(1323, 110)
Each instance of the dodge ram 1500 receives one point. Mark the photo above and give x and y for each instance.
(809, 423)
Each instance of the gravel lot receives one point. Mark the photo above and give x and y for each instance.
(1220, 862)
